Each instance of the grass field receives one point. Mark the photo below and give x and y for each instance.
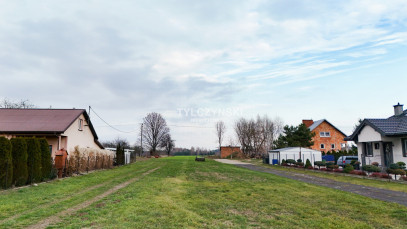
(183, 193)
(360, 180)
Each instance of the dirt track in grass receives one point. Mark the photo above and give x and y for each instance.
(57, 218)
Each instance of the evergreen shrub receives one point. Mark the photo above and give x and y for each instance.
(19, 152)
(6, 163)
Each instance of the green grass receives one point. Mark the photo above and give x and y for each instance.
(360, 180)
(183, 193)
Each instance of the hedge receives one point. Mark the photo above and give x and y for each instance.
(19, 152)
(46, 161)
(34, 160)
(6, 163)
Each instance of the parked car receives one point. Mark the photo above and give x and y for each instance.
(344, 160)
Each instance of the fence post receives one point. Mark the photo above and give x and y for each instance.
(96, 162)
(87, 167)
(77, 167)
(109, 163)
(103, 161)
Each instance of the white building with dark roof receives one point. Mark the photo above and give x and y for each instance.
(382, 140)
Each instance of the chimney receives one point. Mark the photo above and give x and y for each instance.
(398, 109)
(308, 122)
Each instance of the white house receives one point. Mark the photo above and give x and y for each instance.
(382, 140)
(294, 153)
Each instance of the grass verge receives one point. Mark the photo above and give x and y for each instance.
(360, 180)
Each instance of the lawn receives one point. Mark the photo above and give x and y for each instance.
(360, 180)
(183, 193)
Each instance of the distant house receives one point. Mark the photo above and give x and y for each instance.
(327, 136)
(226, 151)
(382, 140)
(63, 128)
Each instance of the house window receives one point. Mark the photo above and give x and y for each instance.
(333, 146)
(404, 144)
(368, 149)
(50, 149)
(376, 146)
(325, 134)
(322, 146)
(80, 124)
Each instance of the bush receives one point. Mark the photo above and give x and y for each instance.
(338, 170)
(371, 168)
(331, 165)
(309, 167)
(394, 166)
(401, 165)
(404, 178)
(387, 176)
(34, 160)
(283, 162)
(300, 164)
(375, 164)
(308, 164)
(46, 161)
(396, 172)
(358, 172)
(320, 163)
(6, 163)
(120, 155)
(20, 170)
(348, 169)
(290, 161)
(299, 160)
(376, 175)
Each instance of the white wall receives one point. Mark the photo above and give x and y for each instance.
(368, 134)
(295, 154)
(83, 138)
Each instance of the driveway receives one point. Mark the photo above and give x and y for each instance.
(372, 192)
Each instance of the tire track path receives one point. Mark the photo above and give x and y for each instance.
(60, 200)
(57, 218)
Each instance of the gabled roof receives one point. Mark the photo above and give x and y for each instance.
(319, 122)
(40, 121)
(395, 125)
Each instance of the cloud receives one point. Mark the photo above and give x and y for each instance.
(142, 56)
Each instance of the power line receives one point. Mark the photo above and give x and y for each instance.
(133, 131)
(126, 132)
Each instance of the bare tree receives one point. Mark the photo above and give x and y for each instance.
(220, 131)
(22, 104)
(155, 128)
(256, 136)
(167, 143)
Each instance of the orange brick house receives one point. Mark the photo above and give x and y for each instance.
(226, 151)
(327, 136)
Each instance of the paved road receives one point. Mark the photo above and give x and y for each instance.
(376, 193)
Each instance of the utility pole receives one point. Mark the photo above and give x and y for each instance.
(141, 140)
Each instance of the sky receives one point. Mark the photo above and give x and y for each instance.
(198, 62)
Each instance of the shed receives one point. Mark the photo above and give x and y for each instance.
(294, 153)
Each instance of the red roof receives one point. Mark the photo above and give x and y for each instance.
(37, 120)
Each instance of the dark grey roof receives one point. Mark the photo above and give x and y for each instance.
(392, 126)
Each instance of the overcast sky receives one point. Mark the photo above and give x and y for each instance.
(196, 62)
